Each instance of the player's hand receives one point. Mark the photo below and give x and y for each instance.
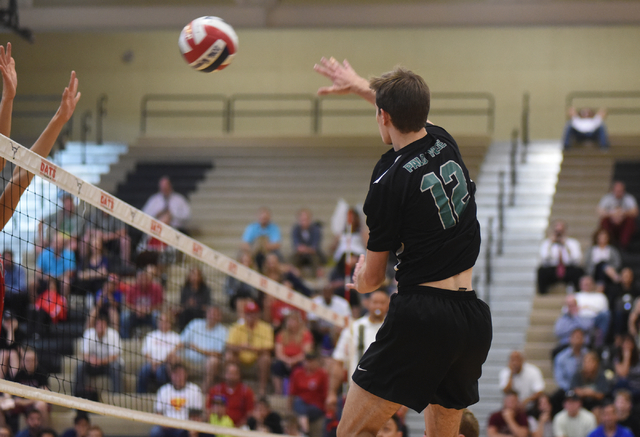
(356, 273)
(8, 70)
(70, 98)
(344, 78)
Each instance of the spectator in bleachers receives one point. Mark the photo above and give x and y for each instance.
(618, 211)
(284, 274)
(275, 312)
(293, 342)
(50, 308)
(95, 431)
(624, 411)
(469, 426)
(590, 383)
(511, 420)
(30, 374)
(308, 388)
(197, 415)
(525, 379)
(156, 349)
(65, 221)
(16, 296)
(306, 242)
(239, 396)
(609, 426)
(168, 200)
(569, 321)
(568, 362)
(573, 420)
(621, 297)
(603, 261)
(391, 429)
(239, 292)
(48, 432)
(108, 301)
(219, 415)
(541, 416)
(100, 356)
(350, 235)
(194, 297)
(593, 304)
(262, 237)
(560, 259)
(174, 400)
(326, 334)
(626, 363)
(34, 424)
(153, 251)
(58, 261)
(93, 268)
(340, 275)
(202, 345)
(586, 124)
(263, 419)
(251, 343)
(116, 241)
(144, 301)
(11, 339)
(81, 424)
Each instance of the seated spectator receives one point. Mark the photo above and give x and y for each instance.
(284, 274)
(48, 432)
(116, 241)
(593, 304)
(511, 420)
(621, 297)
(194, 297)
(340, 275)
(240, 399)
(541, 416)
(560, 258)
(81, 424)
(350, 235)
(144, 301)
(197, 416)
(100, 356)
(155, 252)
(30, 374)
(589, 383)
(603, 261)
(262, 237)
(573, 420)
(219, 415)
(326, 334)
(568, 362)
(166, 199)
(626, 363)
(392, 428)
(306, 242)
(618, 211)
(586, 124)
(156, 349)
(174, 400)
(239, 292)
(50, 308)
(308, 388)
(609, 426)
(34, 424)
(108, 301)
(58, 261)
(263, 419)
(624, 411)
(16, 296)
(93, 268)
(251, 343)
(11, 340)
(202, 345)
(469, 426)
(569, 321)
(64, 221)
(275, 312)
(525, 379)
(95, 431)
(293, 342)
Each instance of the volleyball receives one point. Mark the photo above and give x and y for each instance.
(208, 44)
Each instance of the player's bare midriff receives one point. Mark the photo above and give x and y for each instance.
(454, 283)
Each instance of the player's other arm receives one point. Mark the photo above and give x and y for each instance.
(370, 272)
(9, 86)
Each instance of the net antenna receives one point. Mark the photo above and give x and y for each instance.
(9, 20)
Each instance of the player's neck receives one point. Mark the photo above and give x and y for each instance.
(399, 140)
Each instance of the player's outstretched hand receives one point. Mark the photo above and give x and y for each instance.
(70, 98)
(9, 75)
(344, 79)
(356, 274)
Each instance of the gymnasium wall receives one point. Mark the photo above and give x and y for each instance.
(548, 62)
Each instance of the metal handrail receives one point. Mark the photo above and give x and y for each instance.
(611, 110)
(101, 113)
(233, 112)
(488, 263)
(524, 126)
(145, 112)
(513, 167)
(501, 189)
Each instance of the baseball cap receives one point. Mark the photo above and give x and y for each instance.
(251, 307)
(571, 395)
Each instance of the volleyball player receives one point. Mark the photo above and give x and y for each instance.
(429, 352)
(21, 178)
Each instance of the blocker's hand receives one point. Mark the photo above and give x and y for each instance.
(8, 70)
(70, 98)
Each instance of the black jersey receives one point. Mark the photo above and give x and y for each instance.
(421, 205)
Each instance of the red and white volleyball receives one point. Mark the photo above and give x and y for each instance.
(208, 44)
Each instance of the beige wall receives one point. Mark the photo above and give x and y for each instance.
(546, 62)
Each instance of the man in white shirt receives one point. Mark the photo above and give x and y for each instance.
(156, 348)
(100, 355)
(168, 200)
(325, 333)
(618, 211)
(573, 420)
(523, 378)
(560, 259)
(593, 305)
(174, 400)
(586, 124)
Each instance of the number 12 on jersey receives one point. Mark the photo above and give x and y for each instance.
(449, 216)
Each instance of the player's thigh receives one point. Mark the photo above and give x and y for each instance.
(441, 422)
(364, 413)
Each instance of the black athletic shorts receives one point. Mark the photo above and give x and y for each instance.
(429, 350)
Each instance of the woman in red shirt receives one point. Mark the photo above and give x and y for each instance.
(291, 345)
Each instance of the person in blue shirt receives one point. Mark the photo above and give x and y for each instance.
(59, 262)
(15, 279)
(262, 237)
(567, 362)
(610, 427)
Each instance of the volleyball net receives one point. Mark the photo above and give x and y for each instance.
(104, 305)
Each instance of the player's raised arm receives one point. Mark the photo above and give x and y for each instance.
(9, 86)
(344, 80)
(21, 178)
